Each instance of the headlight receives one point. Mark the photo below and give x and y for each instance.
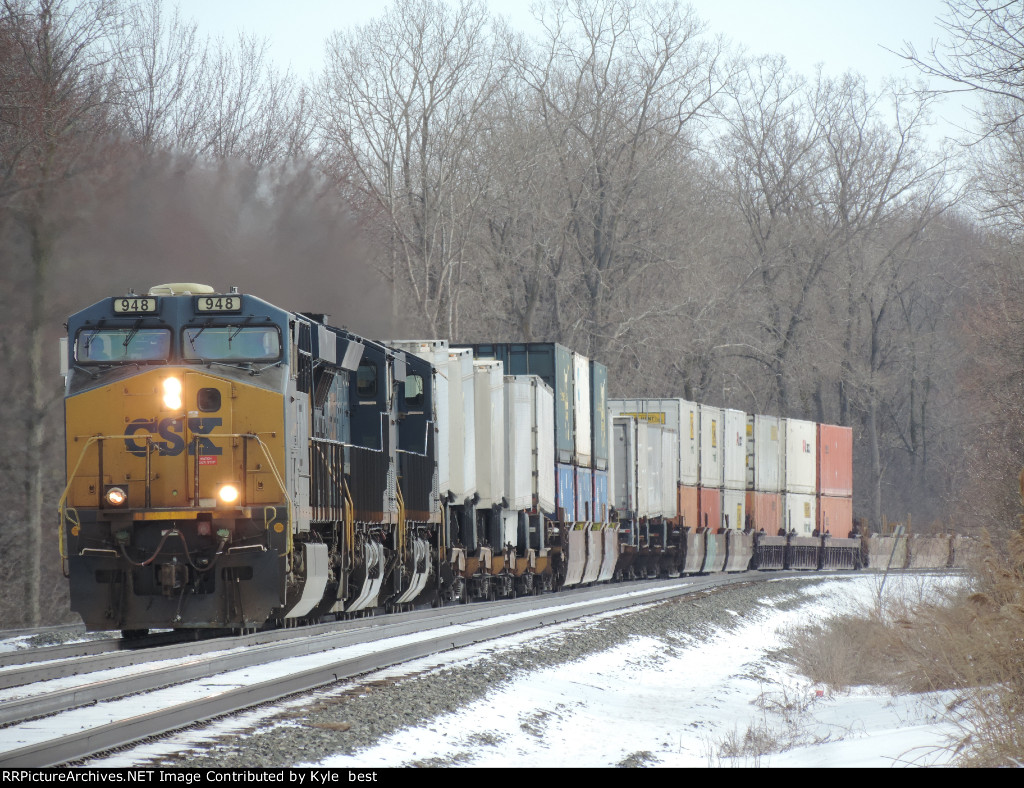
(172, 394)
(228, 493)
(116, 496)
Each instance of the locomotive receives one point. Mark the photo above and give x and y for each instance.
(234, 465)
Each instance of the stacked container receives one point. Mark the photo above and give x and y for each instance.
(529, 445)
(764, 473)
(580, 420)
(800, 474)
(734, 469)
(710, 469)
(600, 435)
(678, 421)
(835, 479)
(489, 405)
(462, 426)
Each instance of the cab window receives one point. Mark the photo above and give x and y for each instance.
(366, 381)
(122, 345)
(414, 392)
(231, 343)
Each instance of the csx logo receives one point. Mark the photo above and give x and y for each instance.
(173, 441)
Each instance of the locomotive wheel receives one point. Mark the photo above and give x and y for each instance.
(134, 634)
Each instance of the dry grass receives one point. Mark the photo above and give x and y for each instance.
(970, 642)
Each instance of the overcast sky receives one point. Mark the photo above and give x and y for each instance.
(838, 34)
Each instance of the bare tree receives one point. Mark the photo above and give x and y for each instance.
(54, 110)
(774, 157)
(403, 102)
(621, 87)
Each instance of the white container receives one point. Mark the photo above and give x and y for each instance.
(519, 408)
(734, 509)
(651, 480)
(581, 409)
(461, 425)
(543, 417)
(734, 449)
(676, 414)
(800, 464)
(489, 389)
(799, 513)
(612, 501)
(622, 461)
(710, 447)
(436, 352)
(669, 459)
(764, 454)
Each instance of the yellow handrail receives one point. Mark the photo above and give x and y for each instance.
(61, 504)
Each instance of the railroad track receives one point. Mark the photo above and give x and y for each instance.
(63, 711)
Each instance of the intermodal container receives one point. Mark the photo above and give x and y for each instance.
(800, 513)
(710, 446)
(582, 443)
(649, 442)
(835, 515)
(710, 514)
(624, 466)
(734, 504)
(688, 507)
(734, 449)
(462, 423)
(602, 513)
(800, 466)
(669, 458)
(489, 390)
(553, 363)
(543, 415)
(675, 414)
(519, 449)
(764, 454)
(599, 414)
(835, 460)
(584, 494)
(565, 503)
(764, 511)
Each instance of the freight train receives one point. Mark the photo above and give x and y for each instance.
(234, 465)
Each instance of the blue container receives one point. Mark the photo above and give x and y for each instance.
(565, 503)
(584, 495)
(601, 504)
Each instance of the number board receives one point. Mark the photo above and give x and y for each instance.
(219, 304)
(132, 305)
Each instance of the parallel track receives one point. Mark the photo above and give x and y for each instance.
(399, 638)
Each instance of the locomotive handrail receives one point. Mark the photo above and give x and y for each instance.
(91, 439)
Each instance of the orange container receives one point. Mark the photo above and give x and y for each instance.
(688, 507)
(835, 515)
(764, 511)
(835, 461)
(711, 508)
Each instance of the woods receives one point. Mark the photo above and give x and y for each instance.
(706, 223)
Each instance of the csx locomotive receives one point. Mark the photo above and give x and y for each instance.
(232, 465)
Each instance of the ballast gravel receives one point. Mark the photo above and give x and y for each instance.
(358, 718)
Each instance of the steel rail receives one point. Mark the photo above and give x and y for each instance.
(458, 631)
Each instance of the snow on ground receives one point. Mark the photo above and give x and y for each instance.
(652, 704)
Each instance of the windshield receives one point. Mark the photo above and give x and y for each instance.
(232, 343)
(122, 345)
